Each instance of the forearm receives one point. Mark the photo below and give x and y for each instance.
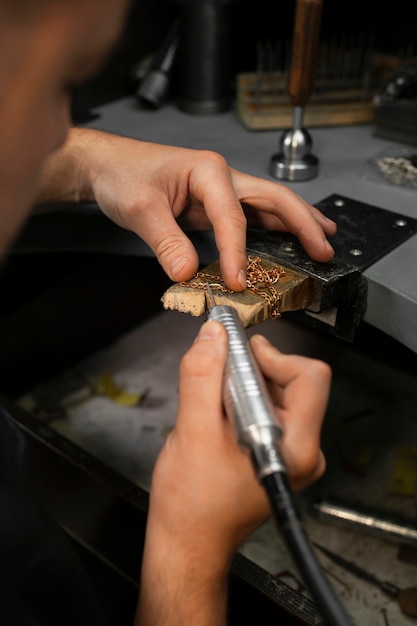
(180, 587)
(66, 175)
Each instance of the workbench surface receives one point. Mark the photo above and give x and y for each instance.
(369, 398)
(364, 446)
(345, 155)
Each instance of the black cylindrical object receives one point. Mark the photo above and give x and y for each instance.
(204, 56)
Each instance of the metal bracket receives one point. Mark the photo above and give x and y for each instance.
(365, 234)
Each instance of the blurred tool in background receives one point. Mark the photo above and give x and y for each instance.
(355, 516)
(156, 80)
(295, 162)
(347, 78)
(193, 61)
(204, 56)
(352, 81)
(396, 105)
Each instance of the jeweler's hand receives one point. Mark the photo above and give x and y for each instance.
(156, 191)
(205, 498)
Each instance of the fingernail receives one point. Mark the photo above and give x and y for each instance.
(241, 278)
(209, 330)
(329, 246)
(261, 339)
(178, 265)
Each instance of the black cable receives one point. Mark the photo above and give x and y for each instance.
(289, 523)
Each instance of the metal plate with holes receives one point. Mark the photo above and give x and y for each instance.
(365, 233)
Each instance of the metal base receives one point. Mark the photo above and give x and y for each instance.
(365, 234)
(294, 170)
(204, 107)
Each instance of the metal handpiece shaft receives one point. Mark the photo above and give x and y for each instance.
(248, 405)
(246, 398)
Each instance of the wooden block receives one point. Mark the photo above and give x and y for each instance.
(254, 305)
(263, 103)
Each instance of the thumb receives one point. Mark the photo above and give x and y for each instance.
(201, 380)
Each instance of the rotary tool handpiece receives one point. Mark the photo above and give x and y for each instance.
(249, 406)
(246, 398)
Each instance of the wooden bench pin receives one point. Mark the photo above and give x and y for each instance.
(271, 290)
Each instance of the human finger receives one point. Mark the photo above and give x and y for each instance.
(201, 380)
(276, 207)
(155, 223)
(212, 185)
(301, 387)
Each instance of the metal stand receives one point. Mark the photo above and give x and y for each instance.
(295, 162)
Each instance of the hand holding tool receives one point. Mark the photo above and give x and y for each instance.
(295, 162)
(249, 407)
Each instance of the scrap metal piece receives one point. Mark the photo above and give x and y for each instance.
(381, 524)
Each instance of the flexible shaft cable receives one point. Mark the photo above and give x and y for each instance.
(300, 548)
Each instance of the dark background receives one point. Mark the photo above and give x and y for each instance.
(386, 28)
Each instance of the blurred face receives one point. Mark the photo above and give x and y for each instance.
(46, 48)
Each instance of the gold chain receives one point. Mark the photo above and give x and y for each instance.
(258, 279)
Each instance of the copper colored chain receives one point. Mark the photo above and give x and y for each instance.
(258, 279)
